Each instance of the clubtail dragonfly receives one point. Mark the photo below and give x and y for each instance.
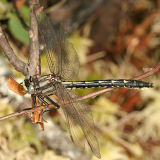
(63, 64)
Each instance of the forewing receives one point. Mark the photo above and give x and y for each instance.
(78, 115)
(70, 62)
(61, 56)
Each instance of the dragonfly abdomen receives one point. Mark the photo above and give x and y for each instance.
(107, 83)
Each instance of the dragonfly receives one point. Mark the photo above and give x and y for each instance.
(63, 64)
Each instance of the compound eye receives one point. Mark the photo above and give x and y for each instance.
(27, 83)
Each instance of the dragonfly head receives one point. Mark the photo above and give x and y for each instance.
(27, 84)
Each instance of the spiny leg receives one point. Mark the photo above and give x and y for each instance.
(42, 100)
(34, 101)
(51, 101)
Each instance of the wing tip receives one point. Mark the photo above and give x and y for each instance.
(96, 150)
(97, 154)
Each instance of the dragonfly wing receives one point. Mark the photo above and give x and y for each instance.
(75, 131)
(77, 114)
(61, 55)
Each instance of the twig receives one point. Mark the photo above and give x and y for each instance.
(8, 51)
(34, 60)
(15, 114)
(148, 73)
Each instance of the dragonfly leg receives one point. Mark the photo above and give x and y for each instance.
(52, 102)
(34, 101)
(43, 101)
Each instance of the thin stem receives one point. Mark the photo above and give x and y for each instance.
(8, 51)
(34, 60)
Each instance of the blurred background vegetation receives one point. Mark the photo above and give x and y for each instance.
(114, 39)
